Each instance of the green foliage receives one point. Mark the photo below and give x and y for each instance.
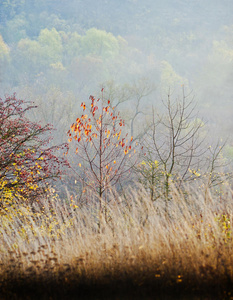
(4, 58)
(170, 80)
(72, 45)
(4, 51)
(99, 43)
(16, 29)
(151, 176)
(36, 55)
(47, 45)
(51, 45)
(10, 8)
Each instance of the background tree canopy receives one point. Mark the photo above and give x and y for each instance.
(48, 46)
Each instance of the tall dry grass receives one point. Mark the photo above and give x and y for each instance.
(133, 245)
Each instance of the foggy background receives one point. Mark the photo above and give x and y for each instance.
(58, 52)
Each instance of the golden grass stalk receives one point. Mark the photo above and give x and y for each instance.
(133, 243)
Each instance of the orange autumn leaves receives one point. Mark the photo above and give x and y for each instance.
(103, 149)
(83, 129)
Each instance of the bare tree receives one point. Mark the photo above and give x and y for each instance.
(176, 149)
(130, 97)
(140, 90)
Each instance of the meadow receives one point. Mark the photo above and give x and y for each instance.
(133, 249)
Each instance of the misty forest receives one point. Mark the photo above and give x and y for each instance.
(116, 147)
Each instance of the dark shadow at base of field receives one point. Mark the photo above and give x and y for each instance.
(123, 291)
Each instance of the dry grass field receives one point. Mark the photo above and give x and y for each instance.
(134, 249)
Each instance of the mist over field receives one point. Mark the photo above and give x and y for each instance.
(57, 53)
(140, 96)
